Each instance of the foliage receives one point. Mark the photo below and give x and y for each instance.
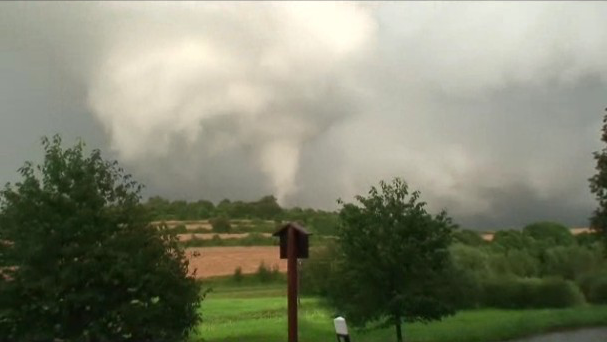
(587, 239)
(570, 262)
(82, 262)
(598, 186)
(238, 274)
(391, 259)
(316, 272)
(253, 239)
(594, 286)
(516, 262)
(265, 208)
(550, 232)
(468, 237)
(513, 239)
(472, 259)
(267, 274)
(258, 212)
(525, 293)
(221, 224)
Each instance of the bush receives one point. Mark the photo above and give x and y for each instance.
(180, 229)
(526, 293)
(315, 272)
(594, 287)
(588, 239)
(598, 291)
(84, 263)
(459, 287)
(267, 274)
(558, 293)
(238, 275)
(570, 262)
(221, 224)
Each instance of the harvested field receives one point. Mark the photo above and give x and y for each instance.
(192, 226)
(189, 225)
(221, 261)
(209, 236)
(487, 236)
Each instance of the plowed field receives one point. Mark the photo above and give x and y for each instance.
(221, 261)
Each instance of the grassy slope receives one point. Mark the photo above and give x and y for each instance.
(256, 312)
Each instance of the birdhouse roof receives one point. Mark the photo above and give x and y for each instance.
(298, 228)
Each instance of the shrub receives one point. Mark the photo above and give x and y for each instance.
(598, 291)
(238, 275)
(267, 274)
(587, 239)
(594, 287)
(263, 273)
(315, 272)
(180, 229)
(216, 240)
(524, 293)
(570, 262)
(557, 293)
(221, 224)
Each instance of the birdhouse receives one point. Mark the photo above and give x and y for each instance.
(301, 236)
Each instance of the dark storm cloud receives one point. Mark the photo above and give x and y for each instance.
(492, 110)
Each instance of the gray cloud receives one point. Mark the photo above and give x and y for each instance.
(492, 110)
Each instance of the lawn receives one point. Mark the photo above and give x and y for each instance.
(257, 313)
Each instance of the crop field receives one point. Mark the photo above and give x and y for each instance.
(257, 313)
(189, 225)
(223, 236)
(222, 261)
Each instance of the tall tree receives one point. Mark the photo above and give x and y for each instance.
(598, 186)
(392, 259)
(80, 260)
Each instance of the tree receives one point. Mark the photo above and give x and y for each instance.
(550, 232)
(513, 239)
(598, 186)
(392, 258)
(469, 237)
(81, 261)
(221, 224)
(267, 208)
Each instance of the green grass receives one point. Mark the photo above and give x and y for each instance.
(256, 312)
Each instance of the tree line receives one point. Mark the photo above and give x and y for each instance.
(266, 208)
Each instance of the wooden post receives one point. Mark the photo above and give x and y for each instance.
(293, 246)
(292, 286)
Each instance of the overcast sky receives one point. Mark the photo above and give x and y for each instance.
(491, 110)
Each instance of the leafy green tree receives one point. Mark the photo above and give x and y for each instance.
(205, 209)
(392, 257)
(587, 239)
(571, 262)
(267, 207)
(550, 232)
(81, 261)
(471, 259)
(504, 240)
(598, 186)
(469, 237)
